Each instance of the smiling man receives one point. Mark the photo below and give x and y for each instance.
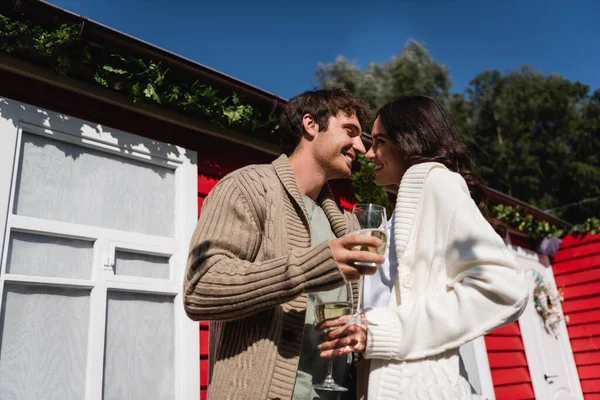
(269, 244)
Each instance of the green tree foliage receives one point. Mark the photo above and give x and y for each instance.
(534, 136)
(412, 71)
(529, 133)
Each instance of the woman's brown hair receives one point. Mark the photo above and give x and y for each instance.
(421, 128)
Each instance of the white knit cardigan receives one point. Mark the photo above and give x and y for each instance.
(456, 281)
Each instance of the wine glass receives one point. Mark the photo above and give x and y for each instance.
(372, 220)
(330, 310)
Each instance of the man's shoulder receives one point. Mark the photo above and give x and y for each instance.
(251, 181)
(256, 173)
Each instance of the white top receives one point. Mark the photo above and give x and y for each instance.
(378, 287)
(456, 281)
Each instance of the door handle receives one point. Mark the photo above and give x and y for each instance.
(548, 377)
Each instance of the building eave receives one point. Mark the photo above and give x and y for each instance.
(103, 35)
(34, 72)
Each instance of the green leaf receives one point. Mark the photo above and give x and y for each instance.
(63, 50)
(150, 93)
(98, 78)
(364, 182)
(114, 70)
(119, 57)
(173, 95)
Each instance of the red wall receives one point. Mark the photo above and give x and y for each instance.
(508, 364)
(577, 270)
(205, 183)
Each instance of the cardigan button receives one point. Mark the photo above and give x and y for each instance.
(407, 281)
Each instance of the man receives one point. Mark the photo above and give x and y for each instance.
(265, 248)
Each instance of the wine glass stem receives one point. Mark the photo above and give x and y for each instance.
(359, 306)
(330, 370)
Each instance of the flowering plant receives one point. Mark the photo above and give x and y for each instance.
(547, 304)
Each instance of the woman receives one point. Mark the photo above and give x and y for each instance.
(452, 277)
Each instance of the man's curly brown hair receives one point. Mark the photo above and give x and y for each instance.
(321, 104)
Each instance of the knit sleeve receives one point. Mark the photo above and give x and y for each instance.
(224, 282)
(485, 290)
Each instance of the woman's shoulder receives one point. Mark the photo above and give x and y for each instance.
(434, 174)
(432, 186)
(446, 189)
(446, 180)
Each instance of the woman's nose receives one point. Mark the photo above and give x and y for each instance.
(370, 154)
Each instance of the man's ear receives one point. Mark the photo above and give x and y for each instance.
(311, 128)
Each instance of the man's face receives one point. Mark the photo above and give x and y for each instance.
(336, 148)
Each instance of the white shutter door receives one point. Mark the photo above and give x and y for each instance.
(94, 244)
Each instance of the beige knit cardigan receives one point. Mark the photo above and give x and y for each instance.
(250, 268)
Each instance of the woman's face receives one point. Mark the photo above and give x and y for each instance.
(387, 157)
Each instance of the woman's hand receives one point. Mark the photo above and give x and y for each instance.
(343, 338)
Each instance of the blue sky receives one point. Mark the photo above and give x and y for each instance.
(276, 45)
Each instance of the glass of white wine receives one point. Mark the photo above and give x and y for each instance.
(373, 221)
(324, 311)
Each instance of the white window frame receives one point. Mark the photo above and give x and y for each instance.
(16, 118)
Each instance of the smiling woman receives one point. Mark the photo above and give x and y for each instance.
(453, 278)
(422, 132)
(387, 157)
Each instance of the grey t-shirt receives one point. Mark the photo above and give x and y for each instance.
(313, 368)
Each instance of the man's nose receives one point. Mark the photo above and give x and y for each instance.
(358, 145)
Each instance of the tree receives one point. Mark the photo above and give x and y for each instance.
(534, 136)
(582, 173)
(412, 71)
(527, 128)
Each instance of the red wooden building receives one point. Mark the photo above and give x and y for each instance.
(104, 194)
(577, 270)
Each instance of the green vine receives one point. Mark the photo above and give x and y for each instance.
(55, 44)
(526, 223)
(590, 225)
(144, 81)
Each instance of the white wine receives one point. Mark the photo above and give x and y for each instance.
(332, 310)
(379, 233)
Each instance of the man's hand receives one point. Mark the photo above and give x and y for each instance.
(342, 338)
(346, 257)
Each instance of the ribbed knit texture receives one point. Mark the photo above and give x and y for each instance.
(407, 203)
(250, 268)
